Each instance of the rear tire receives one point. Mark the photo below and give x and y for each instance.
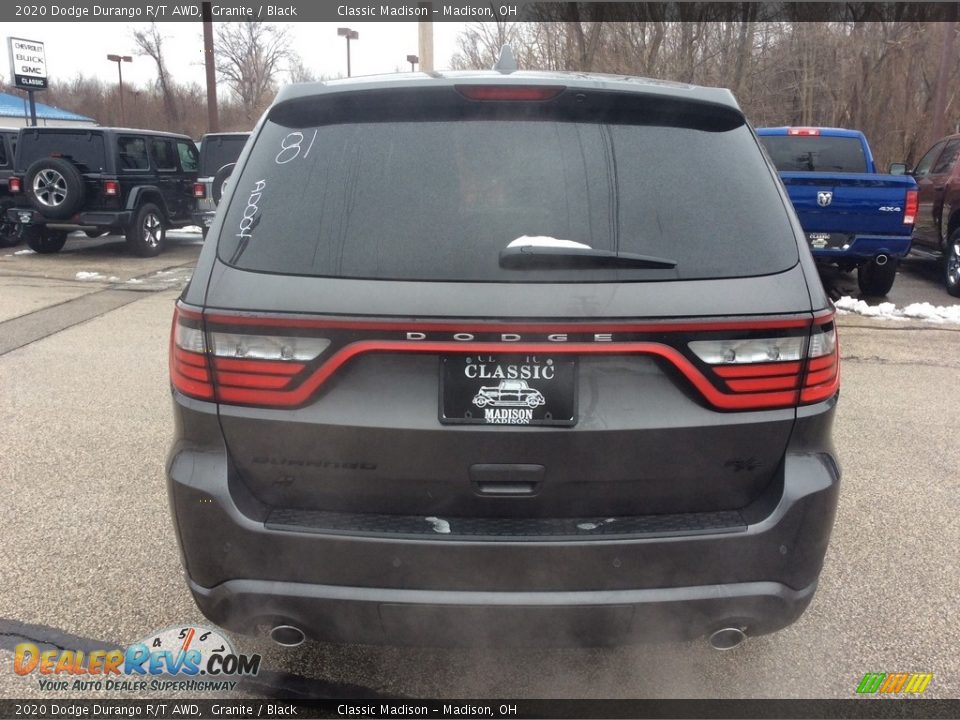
(951, 262)
(47, 242)
(146, 234)
(876, 280)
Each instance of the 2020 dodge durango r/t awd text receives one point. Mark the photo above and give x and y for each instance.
(391, 248)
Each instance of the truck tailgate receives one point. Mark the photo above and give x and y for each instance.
(857, 203)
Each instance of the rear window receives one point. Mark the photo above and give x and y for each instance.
(428, 198)
(815, 153)
(84, 149)
(219, 151)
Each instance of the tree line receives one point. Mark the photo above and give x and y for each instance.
(875, 75)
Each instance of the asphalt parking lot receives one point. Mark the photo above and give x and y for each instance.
(89, 555)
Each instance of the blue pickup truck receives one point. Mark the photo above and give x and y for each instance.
(853, 216)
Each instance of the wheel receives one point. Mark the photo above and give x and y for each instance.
(220, 182)
(54, 187)
(95, 233)
(876, 280)
(952, 264)
(46, 242)
(146, 234)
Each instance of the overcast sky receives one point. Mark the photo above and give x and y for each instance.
(73, 48)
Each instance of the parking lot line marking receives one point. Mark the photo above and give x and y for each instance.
(23, 330)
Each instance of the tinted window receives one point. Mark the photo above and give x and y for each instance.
(163, 154)
(189, 158)
(436, 200)
(132, 153)
(219, 151)
(927, 160)
(815, 153)
(946, 160)
(84, 149)
(3, 151)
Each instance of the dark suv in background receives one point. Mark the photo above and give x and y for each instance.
(9, 229)
(218, 154)
(388, 251)
(101, 180)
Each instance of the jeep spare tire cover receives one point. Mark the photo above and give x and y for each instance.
(218, 182)
(54, 187)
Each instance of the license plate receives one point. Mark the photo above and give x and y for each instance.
(508, 389)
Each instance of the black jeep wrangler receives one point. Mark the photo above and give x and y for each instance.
(9, 229)
(101, 180)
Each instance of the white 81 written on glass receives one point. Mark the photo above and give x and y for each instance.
(292, 144)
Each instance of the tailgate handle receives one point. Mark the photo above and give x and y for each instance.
(506, 480)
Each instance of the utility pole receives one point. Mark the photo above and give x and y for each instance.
(943, 75)
(426, 39)
(213, 113)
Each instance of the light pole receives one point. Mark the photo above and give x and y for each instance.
(349, 35)
(120, 59)
(413, 60)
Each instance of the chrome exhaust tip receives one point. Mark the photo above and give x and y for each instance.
(727, 638)
(881, 259)
(287, 636)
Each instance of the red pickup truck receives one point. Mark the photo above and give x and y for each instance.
(937, 228)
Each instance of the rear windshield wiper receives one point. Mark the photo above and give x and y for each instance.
(542, 256)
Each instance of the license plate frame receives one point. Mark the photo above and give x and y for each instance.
(512, 389)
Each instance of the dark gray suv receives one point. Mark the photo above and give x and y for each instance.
(355, 459)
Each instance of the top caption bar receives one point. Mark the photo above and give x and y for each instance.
(475, 10)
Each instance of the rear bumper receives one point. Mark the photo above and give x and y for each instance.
(99, 219)
(436, 617)
(866, 247)
(380, 588)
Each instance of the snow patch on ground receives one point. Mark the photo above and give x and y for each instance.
(134, 281)
(84, 275)
(889, 311)
(26, 251)
(195, 229)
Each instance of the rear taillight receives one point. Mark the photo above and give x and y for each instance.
(822, 379)
(768, 372)
(189, 367)
(803, 131)
(111, 188)
(14, 185)
(510, 92)
(244, 364)
(199, 190)
(913, 204)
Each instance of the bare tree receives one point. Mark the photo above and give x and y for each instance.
(150, 42)
(298, 72)
(250, 56)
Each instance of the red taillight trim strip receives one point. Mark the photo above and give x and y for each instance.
(189, 358)
(756, 371)
(191, 387)
(245, 380)
(786, 323)
(303, 392)
(822, 363)
(260, 367)
(818, 378)
(195, 373)
(785, 382)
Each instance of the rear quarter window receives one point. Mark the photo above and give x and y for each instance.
(438, 199)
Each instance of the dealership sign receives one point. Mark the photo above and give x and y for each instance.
(28, 63)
